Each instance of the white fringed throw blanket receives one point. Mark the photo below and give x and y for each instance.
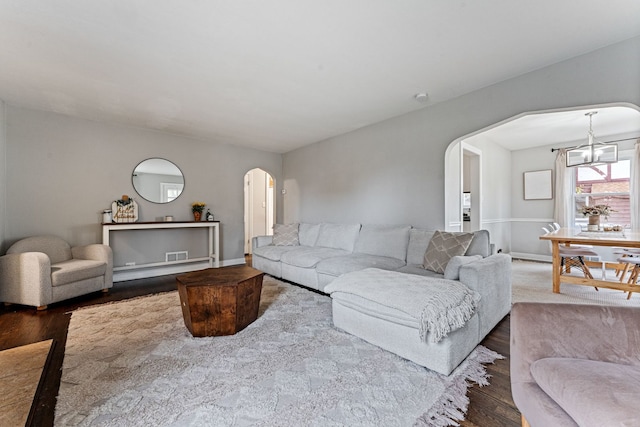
(439, 305)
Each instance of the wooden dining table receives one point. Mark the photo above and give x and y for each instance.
(568, 236)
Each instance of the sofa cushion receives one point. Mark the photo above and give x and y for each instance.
(452, 271)
(443, 246)
(340, 265)
(75, 270)
(419, 270)
(374, 309)
(480, 244)
(338, 236)
(383, 240)
(308, 234)
(271, 252)
(593, 393)
(285, 235)
(307, 257)
(418, 242)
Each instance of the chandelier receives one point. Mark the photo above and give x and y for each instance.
(593, 152)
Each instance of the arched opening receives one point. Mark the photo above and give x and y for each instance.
(259, 205)
(508, 150)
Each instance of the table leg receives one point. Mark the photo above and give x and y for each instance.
(555, 250)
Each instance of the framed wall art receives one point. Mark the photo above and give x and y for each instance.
(538, 185)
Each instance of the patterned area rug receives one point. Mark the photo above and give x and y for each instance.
(532, 282)
(134, 363)
(20, 372)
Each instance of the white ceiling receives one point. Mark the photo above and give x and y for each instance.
(562, 128)
(280, 74)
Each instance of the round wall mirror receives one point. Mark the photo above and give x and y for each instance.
(158, 180)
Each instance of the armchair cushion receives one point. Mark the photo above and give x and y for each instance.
(75, 270)
(593, 393)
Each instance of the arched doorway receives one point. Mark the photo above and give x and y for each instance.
(511, 148)
(259, 205)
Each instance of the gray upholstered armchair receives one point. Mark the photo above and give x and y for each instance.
(41, 270)
(575, 365)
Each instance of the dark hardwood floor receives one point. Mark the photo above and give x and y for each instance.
(490, 406)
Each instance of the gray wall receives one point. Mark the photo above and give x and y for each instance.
(496, 183)
(393, 171)
(3, 175)
(62, 172)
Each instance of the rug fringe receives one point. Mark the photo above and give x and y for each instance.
(453, 404)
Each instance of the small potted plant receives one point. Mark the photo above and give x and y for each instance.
(594, 212)
(197, 208)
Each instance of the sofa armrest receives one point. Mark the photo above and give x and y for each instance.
(604, 333)
(25, 278)
(97, 252)
(259, 241)
(491, 278)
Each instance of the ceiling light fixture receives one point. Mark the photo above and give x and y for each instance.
(593, 152)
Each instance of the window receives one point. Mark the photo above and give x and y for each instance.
(170, 191)
(606, 184)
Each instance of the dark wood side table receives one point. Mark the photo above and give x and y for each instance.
(220, 301)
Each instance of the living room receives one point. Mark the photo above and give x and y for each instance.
(61, 164)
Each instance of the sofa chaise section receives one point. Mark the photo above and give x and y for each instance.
(389, 328)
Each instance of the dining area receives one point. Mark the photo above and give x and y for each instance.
(576, 259)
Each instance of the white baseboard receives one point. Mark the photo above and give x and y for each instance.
(531, 257)
(143, 273)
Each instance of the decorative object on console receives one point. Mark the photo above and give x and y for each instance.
(125, 209)
(209, 215)
(106, 216)
(197, 208)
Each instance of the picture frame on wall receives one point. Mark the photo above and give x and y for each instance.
(538, 185)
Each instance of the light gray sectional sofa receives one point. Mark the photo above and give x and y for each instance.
(326, 251)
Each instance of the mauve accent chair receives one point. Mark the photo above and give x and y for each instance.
(41, 270)
(575, 365)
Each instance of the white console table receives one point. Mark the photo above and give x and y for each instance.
(214, 239)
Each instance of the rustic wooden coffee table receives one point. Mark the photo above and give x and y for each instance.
(220, 301)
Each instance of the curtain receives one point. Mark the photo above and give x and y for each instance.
(634, 191)
(563, 204)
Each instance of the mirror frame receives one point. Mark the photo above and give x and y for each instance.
(147, 197)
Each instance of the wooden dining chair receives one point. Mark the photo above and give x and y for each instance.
(624, 252)
(633, 263)
(573, 256)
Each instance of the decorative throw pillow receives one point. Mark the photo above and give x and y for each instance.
(442, 247)
(285, 235)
